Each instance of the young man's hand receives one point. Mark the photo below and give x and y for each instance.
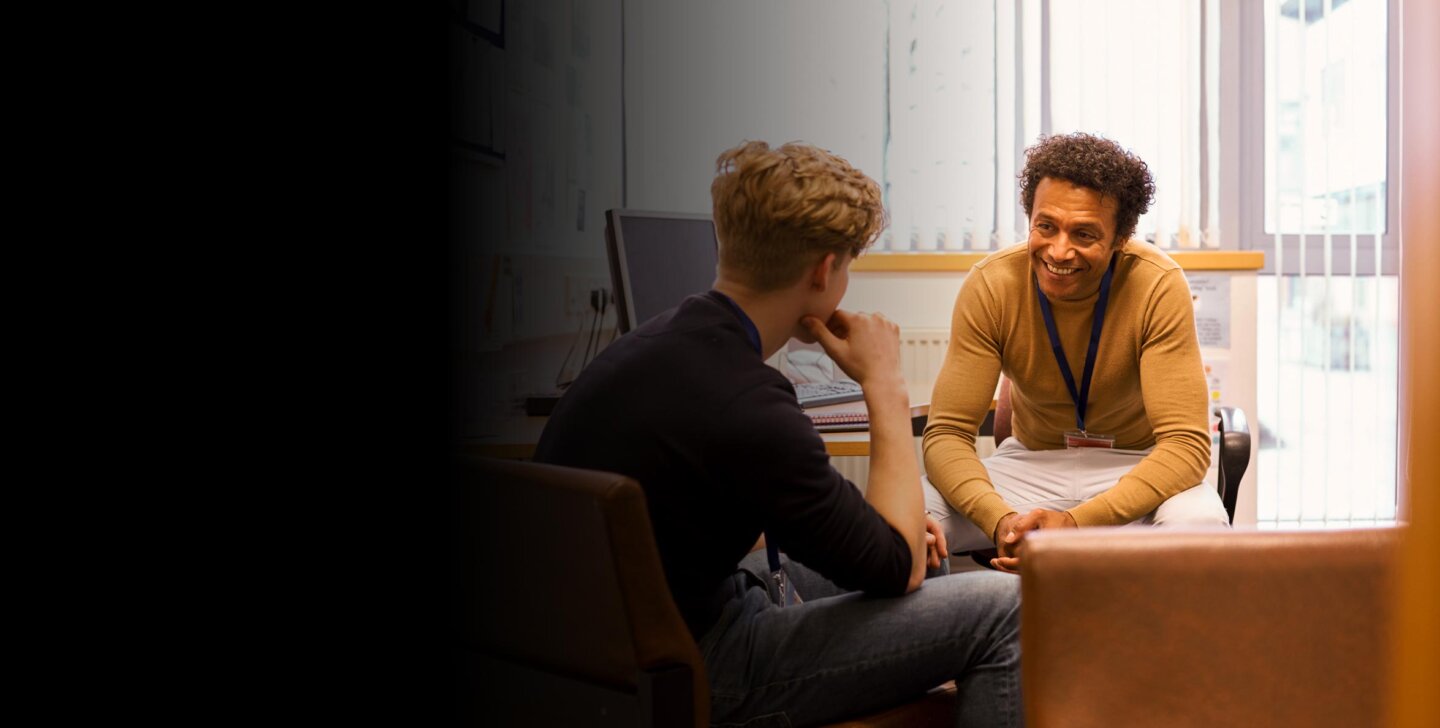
(936, 550)
(867, 348)
(865, 345)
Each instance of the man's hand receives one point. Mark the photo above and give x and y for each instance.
(936, 550)
(865, 345)
(1012, 529)
(1007, 544)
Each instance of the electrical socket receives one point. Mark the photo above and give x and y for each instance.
(577, 293)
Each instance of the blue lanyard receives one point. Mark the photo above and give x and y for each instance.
(752, 334)
(1082, 397)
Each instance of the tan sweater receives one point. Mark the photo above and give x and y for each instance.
(1148, 387)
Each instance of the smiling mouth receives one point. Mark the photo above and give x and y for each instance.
(1057, 270)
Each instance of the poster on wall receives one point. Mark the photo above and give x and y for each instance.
(1210, 295)
(1216, 372)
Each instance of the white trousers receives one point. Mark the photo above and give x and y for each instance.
(1058, 480)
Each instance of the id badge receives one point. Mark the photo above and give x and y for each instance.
(1080, 438)
(785, 594)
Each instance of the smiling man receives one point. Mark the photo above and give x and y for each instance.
(1096, 333)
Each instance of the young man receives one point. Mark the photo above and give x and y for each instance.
(686, 405)
(1096, 333)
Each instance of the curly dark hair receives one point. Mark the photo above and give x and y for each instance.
(1094, 162)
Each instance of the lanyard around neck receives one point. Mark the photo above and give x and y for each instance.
(752, 334)
(1082, 396)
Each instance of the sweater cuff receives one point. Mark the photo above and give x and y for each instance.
(988, 511)
(1095, 512)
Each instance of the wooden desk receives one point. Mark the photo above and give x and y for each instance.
(509, 438)
(514, 438)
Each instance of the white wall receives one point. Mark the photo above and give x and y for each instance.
(912, 300)
(703, 76)
(527, 233)
(522, 227)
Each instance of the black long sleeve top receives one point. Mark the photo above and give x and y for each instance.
(685, 405)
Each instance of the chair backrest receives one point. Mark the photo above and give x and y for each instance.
(1234, 455)
(558, 579)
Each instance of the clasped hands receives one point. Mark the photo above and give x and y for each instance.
(1011, 531)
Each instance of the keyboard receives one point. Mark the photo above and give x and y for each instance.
(815, 394)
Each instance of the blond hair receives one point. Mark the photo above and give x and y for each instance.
(779, 211)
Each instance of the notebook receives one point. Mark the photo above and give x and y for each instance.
(858, 420)
(853, 420)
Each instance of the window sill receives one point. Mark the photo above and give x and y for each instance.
(933, 262)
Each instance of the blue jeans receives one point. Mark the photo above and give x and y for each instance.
(843, 654)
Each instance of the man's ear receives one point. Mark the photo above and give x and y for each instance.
(820, 273)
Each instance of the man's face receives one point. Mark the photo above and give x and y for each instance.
(1072, 234)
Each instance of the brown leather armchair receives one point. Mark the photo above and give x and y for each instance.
(562, 613)
(1150, 627)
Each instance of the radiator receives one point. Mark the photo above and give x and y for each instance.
(922, 352)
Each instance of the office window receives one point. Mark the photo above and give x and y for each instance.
(1328, 297)
(1327, 397)
(1325, 78)
(971, 84)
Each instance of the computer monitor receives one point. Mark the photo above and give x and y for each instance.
(656, 260)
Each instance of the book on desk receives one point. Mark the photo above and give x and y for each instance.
(849, 418)
(851, 421)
